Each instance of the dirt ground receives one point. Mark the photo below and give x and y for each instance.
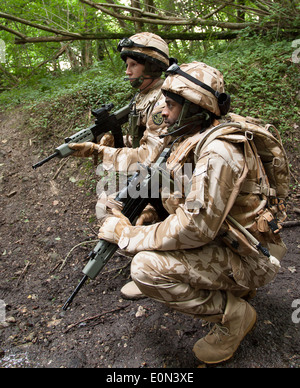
(45, 215)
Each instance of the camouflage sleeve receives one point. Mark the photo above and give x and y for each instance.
(151, 145)
(197, 221)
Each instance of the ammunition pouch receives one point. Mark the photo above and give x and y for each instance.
(270, 218)
(136, 131)
(236, 240)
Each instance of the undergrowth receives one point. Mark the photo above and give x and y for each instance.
(259, 73)
(261, 79)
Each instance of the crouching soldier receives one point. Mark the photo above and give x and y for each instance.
(221, 239)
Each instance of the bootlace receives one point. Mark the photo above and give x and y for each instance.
(218, 331)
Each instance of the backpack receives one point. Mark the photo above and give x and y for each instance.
(269, 151)
(272, 184)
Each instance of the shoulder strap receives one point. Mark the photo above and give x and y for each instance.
(276, 168)
(215, 132)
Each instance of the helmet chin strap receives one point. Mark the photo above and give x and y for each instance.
(186, 125)
(137, 82)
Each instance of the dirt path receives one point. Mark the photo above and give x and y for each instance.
(41, 220)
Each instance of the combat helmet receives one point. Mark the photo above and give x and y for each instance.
(200, 84)
(147, 46)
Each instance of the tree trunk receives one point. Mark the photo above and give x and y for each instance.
(72, 58)
(241, 14)
(86, 47)
(138, 25)
(86, 54)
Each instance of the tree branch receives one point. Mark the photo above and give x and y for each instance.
(177, 21)
(12, 77)
(132, 9)
(12, 31)
(137, 15)
(52, 58)
(109, 35)
(222, 6)
(35, 25)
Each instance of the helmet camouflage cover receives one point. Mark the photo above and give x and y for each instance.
(176, 83)
(147, 46)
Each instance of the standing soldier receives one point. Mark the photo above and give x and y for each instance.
(220, 241)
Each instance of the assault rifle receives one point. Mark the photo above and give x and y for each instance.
(103, 123)
(134, 198)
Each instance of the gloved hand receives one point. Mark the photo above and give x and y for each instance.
(172, 201)
(107, 140)
(85, 150)
(113, 226)
(148, 216)
(104, 206)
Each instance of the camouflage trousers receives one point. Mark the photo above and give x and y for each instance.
(195, 282)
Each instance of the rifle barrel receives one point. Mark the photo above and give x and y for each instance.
(69, 301)
(39, 164)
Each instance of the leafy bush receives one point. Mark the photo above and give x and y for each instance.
(259, 73)
(260, 76)
(94, 86)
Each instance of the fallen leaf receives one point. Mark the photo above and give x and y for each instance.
(55, 322)
(140, 312)
(267, 322)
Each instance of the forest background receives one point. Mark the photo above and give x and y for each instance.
(67, 50)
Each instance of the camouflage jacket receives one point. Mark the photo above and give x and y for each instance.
(149, 106)
(214, 189)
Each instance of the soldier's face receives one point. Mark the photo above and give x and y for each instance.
(133, 68)
(134, 71)
(171, 111)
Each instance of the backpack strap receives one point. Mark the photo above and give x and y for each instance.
(259, 186)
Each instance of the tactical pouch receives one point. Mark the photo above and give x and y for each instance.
(136, 131)
(236, 240)
(266, 221)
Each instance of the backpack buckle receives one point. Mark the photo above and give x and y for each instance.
(249, 135)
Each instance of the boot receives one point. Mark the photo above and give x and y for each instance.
(225, 337)
(246, 295)
(131, 291)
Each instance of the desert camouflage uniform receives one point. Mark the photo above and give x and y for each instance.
(154, 50)
(183, 260)
(125, 160)
(149, 107)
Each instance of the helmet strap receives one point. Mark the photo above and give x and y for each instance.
(187, 123)
(150, 72)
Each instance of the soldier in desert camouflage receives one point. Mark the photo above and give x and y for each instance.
(197, 261)
(146, 56)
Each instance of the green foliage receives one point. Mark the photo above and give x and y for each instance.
(54, 107)
(259, 73)
(260, 76)
(96, 85)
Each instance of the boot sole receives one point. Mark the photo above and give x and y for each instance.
(133, 297)
(249, 329)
